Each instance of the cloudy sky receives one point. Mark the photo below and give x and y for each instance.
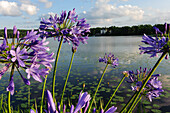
(26, 14)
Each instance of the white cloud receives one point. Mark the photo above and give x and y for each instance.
(28, 8)
(106, 14)
(25, 1)
(46, 16)
(9, 9)
(14, 9)
(124, 0)
(47, 3)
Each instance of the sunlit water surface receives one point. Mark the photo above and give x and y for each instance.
(86, 69)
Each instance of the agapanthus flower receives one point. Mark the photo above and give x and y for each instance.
(83, 102)
(153, 87)
(11, 86)
(156, 44)
(29, 53)
(109, 59)
(66, 26)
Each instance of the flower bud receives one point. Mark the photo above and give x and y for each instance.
(126, 73)
(84, 85)
(74, 49)
(5, 33)
(14, 30)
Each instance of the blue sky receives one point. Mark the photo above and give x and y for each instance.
(26, 14)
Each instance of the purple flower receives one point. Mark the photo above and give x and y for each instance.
(110, 110)
(29, 53)
(11, 86)
(109, 59)
(32, 111)
(3, 46)
(31, 36)
(153, 87)
(4, 69)
(67, 26)
(83, 101)
(14, 30)
(50, 102)
(34, 72)
(154, 93)
(165, 28)
(155, 44)
(26, 81)
(19, 55)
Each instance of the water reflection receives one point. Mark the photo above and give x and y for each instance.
(87, 69)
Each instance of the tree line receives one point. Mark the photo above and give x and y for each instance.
(126, 30)
(108, 31)
(23, 32)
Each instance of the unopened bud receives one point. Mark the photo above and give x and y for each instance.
(74, 49)
(126, 73)
(84, 85)
(14, 30)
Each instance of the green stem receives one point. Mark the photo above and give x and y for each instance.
(136, 104)
(61, 103)
(146, 80)
(29, 97)
(55, 67)
(114, 93)
(9, 94)
(124, 108)
(9, 98)
(1, 102)
(42, 98)
(97, 88)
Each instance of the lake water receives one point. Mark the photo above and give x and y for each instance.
(86, 69)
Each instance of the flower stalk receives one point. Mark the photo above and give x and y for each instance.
(136, 104)
(67, 79)
(97, 88)
(130, 100)
(55, 67)
(146, 80)
(42, 98)
(114, 93)
(9, 94)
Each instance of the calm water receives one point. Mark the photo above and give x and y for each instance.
(86, 69)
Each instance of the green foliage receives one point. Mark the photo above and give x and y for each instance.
(126, 30)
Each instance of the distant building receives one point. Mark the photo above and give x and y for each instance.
(103, 31)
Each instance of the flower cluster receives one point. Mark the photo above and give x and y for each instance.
(153, 87)
(27, 53)
(109, 59)
(83, 102)
(156, 44)
(67, 26)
